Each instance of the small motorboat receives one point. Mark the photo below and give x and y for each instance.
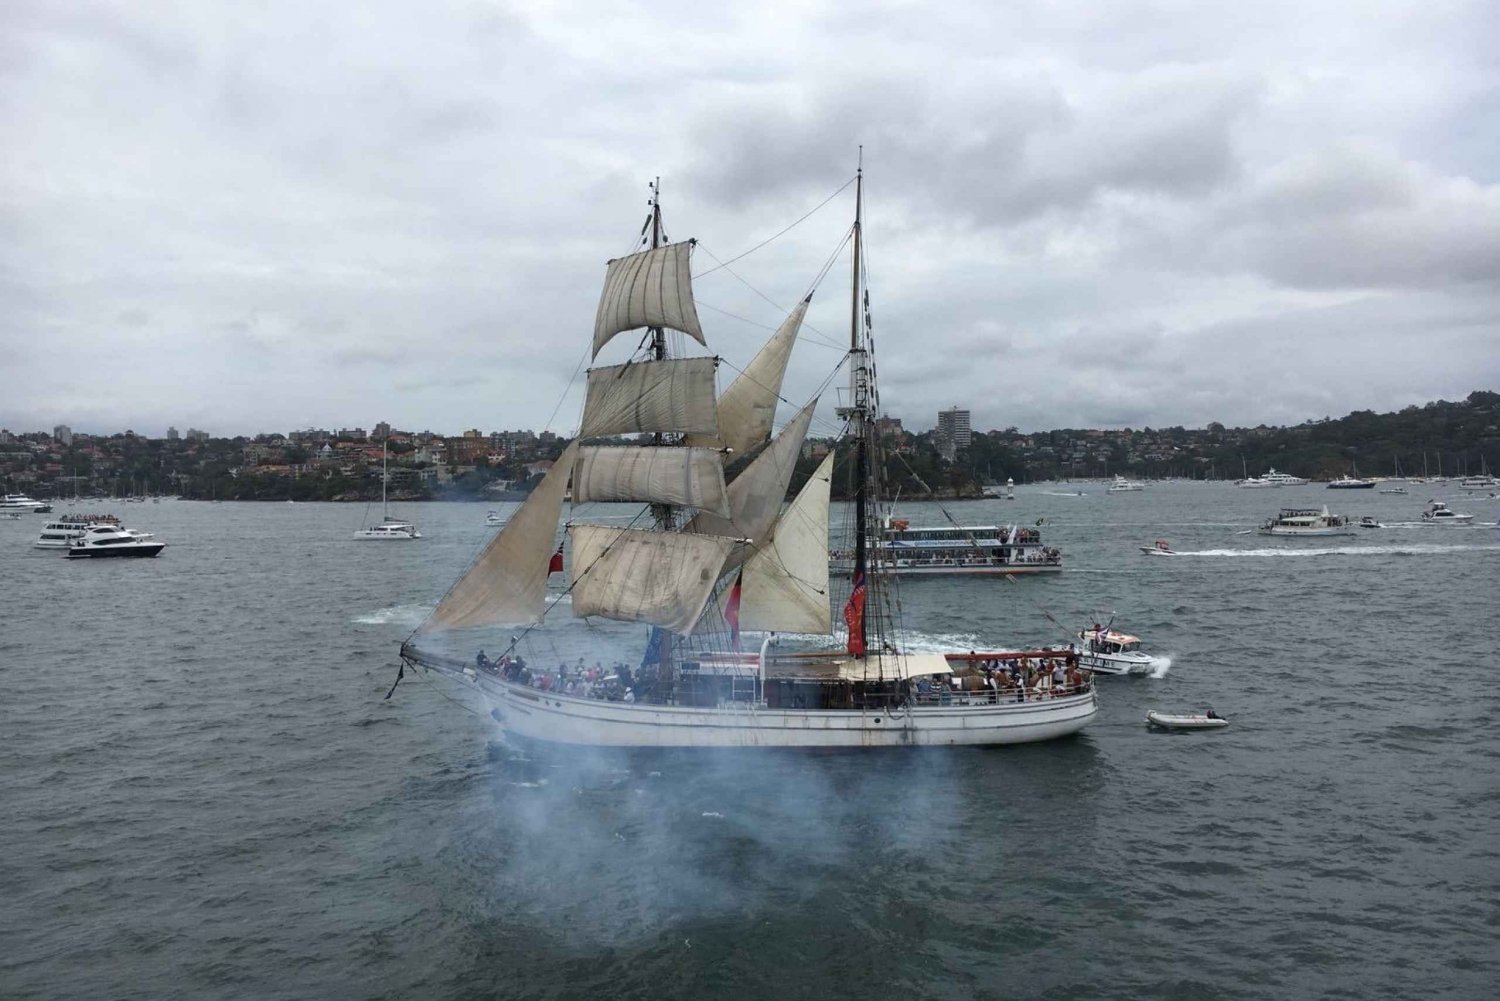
(1438, 513)
(493, 519)
(1174, 721)
(1159, 548)
(1368, 522)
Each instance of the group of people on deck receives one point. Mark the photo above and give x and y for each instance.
(1023, 679)
(580, 680)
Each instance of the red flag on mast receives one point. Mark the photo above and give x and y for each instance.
(854, 616)
(732, 611)
(556, 565)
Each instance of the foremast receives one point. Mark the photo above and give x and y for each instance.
(860, 414)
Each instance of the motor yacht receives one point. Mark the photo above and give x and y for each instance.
(1123, 486)
(22, 503)
(1306, 522)
(1105, 651)
(493, 519)
(100, 541)
(1351, 483)
(1438, 514)
(1283, 479)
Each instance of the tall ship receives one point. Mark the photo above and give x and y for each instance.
(927, 551)
(711, 615)
(1307, 522)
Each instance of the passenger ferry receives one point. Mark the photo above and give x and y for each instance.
(1315, 522)
(963, 549)
(60, 533)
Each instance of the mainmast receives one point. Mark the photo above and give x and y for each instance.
(660, 513)
(859, 399)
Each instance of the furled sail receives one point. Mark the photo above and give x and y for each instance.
(651, 289)
(748, 406)
(756, 494)
(785, 584)
(673, 395)
(508, 583)
(633, 575)
(684, 477)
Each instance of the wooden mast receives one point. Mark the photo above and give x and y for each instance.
(661, 513)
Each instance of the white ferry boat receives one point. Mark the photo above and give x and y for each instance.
(1482, 482)
(1438, 514)
(60, 534)
(965, 549)
(1123, 486)
(1305, 522)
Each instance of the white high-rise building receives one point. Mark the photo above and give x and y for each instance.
(953, 427)
(63, 433)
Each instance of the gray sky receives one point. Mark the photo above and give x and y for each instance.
(270, 215)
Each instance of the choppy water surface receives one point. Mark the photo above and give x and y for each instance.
(205, 797)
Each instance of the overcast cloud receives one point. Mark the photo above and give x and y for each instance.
(262, 216)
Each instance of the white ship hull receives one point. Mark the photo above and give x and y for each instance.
(970, 719)
(1116, 663)
(948, 570)
(1318, 532)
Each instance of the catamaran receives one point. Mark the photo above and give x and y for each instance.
(391, 529)
(712, 553)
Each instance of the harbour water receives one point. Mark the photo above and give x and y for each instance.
(205, 796)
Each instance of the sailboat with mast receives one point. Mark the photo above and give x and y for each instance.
(389, 528)
(712, 556)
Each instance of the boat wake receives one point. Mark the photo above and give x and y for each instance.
(1159, 667)
(404, 615)
(1408, 550)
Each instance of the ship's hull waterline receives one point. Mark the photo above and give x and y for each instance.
(550, 717)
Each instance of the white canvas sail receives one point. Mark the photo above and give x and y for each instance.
(632, 575)
(507, 585)
(748, 406)
(676, 395)
(684, 477)
(756, 495)
(651, 289)
(785, 584)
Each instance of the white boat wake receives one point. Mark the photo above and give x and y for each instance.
(1159, 667)
(405, 615)
(1409, 550)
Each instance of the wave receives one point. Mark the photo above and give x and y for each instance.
(1397, 550)
(1159, 666)
(405, 615)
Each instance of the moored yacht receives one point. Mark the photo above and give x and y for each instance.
(1306, 522)
(100, 541)
(390, 529)
(1438, 513)
(1351, 483)
(1283, 479)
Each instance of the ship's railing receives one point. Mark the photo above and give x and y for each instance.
(989, 696)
